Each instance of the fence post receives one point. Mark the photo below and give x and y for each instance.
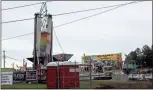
(90, 74)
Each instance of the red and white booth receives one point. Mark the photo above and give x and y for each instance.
(67, 72)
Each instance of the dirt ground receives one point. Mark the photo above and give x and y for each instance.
(126, 85)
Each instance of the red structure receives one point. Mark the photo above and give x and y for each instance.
(66, 75)
(52, 75)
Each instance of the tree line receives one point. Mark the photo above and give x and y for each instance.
(142, 57)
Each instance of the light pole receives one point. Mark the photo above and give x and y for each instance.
(141, 58)
(1, 31)
(4, 56)
(90, 73)
(145, 64)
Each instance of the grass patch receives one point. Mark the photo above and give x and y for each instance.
(6, 69)
(34, 86)
(25, 86)
(83, 85)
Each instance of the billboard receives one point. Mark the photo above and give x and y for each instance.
(31, 75)
(63, 57)
(19, 76)
(6, 78)
(107, 59)
(45, 43)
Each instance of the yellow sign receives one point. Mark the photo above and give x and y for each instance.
(105, 57)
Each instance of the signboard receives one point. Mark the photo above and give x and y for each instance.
(45, 43)
(74, 70)
(6, 78)
(107, 59)
(31, 75)
(19, 76)
(63, 57)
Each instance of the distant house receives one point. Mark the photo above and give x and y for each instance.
(130, 66)
(127, 68)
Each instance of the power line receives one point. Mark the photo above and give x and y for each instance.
(58, 41)
(92, 15)
(17, 20)
(13, 59)
(91, 9)
(18, 36)
(73, 12)
(23, 6)
(81, 19)
(75, 20)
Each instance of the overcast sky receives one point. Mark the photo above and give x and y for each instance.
(121, 30)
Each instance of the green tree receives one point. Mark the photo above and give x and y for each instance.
(143, 56)
(147, 56)
(146, 49)
(138, 51)
(139, 56)
(131, 56)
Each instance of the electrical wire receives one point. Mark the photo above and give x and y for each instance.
(19, 36)
(82, 19)
(23, 6)
(73, 12)
(58, 41)
(91, 15)
(75, 20)
(92, 9)
(17, 20)
(85, 17)
(13, 58)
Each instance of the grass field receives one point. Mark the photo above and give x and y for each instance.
(6, 69)
(32, 86)
(25, 86)
(83, 84)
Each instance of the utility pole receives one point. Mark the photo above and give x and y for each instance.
(75, 72)
(50, 30)
(35, 40)
(58, 76)
(90, 72)
(23, 62)
(13, 65)
(1, 31)
(4, 57)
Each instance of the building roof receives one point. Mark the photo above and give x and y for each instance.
(61, 63)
